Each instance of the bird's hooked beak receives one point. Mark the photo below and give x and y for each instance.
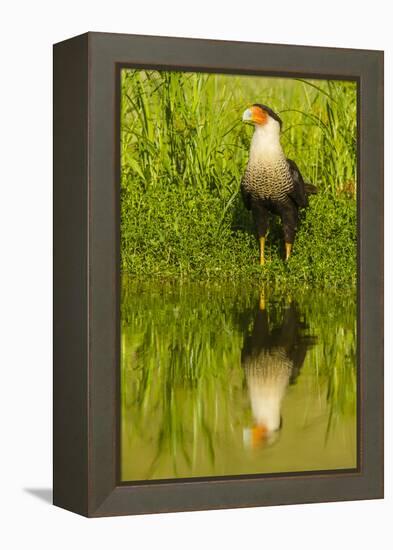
(255, 437)
(247, 116)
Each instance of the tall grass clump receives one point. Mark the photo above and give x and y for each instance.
(183, 154)
(326, 149)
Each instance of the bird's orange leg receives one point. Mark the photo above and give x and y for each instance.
(262, 250)
(288, 250)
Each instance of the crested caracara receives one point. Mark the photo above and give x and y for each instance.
(272, 183)
(272, 357)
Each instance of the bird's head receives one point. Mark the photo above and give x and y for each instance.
(261, 116)
(260, 436)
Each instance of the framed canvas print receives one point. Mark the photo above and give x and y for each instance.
(218, 274)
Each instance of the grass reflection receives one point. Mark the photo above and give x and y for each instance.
(208, 369)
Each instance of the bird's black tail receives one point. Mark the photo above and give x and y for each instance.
(310, 189)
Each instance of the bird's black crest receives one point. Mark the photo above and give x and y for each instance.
(270, 112)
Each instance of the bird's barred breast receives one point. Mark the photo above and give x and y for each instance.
(270, 181)
(269, 364)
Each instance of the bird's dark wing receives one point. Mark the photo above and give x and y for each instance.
(246, 197)
(298, 194)
(291, 336)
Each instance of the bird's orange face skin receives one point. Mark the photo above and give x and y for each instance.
(258, 436)
(259, 116)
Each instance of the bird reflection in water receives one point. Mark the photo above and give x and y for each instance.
(272, 355)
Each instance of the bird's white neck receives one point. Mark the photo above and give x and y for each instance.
(266, 396)
(265, 143)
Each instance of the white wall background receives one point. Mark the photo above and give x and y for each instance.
(28, 28)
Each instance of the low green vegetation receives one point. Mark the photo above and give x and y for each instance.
(183, 153)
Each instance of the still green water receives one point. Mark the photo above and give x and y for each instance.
(232, 380)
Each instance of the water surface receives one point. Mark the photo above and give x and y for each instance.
(229, 380)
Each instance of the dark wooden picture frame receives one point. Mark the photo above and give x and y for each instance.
(87, 274)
